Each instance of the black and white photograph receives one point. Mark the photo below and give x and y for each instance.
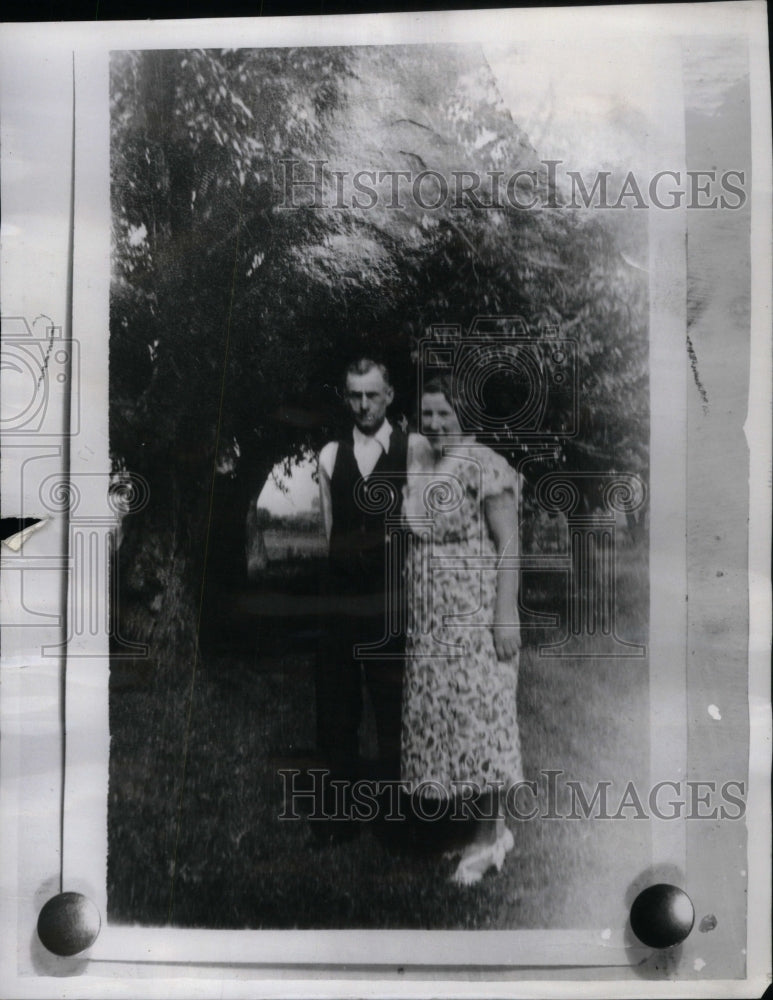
(388, 456)
(370, 504)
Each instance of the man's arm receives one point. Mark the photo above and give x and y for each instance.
(325, 467)
(419, 452)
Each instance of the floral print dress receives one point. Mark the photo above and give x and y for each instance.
(459, 700)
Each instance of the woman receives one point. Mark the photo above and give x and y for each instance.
(460, 728)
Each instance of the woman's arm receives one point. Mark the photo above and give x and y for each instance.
(501, 513)
(419, 463)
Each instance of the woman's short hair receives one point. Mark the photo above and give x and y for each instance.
(442, 385)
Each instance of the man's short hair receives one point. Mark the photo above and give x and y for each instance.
(361, 366)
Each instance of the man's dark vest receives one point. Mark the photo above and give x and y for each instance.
(357, 537)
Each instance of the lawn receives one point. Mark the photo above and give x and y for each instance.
(195, 837)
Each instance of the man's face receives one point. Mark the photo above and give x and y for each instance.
(368, 397)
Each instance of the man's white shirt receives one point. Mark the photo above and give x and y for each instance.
(368, 449)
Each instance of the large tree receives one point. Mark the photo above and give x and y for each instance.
(231, 313)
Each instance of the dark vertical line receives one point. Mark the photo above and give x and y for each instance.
(66, 426)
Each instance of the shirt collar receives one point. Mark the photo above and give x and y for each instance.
(383, 435)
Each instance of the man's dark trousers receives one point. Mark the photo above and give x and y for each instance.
(356, 582)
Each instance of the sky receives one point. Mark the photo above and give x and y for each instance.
(583, 106)
(300, 489)
(584, 102)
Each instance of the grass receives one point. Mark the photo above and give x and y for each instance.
(195, 839)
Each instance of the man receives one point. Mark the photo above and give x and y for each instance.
(357, 578)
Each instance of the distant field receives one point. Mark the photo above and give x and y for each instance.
(292, 543)
(217, 855)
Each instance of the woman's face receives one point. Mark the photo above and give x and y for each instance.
(438, 419)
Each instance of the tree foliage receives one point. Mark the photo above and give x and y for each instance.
(231, 315)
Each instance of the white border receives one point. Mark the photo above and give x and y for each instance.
(759, 434)
(46, 44)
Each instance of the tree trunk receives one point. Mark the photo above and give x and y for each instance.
(257, 558)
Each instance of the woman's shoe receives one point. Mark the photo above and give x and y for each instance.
(474, 865)
(508, 842)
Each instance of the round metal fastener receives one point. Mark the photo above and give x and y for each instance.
(68, 924)
(662, 915)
